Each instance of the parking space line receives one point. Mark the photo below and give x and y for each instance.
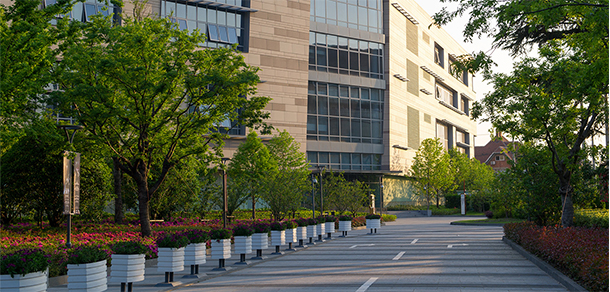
(367, 284)
(414, 241)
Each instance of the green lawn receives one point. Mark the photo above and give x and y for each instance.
(490, 221)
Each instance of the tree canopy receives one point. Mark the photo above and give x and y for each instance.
(431, 170)
(148, 93)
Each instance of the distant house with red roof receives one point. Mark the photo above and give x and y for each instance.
(497, 153)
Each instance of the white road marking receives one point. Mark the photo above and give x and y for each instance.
(354, 246)
(414, 241)
(459, 244)
(367, 284)
(397, 257)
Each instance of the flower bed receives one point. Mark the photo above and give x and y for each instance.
(579, 253)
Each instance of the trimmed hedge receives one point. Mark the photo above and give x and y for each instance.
(591, 218)
(579, 253)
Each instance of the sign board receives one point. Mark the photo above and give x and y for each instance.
(67, 183)
(76, 180)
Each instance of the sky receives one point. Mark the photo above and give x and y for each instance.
(501, 58)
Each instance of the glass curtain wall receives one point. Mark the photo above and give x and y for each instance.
(345, 161)
(364, 15)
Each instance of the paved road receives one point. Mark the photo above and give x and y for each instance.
(411, 254)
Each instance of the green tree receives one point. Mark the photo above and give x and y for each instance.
(344, 196)
(285, 190)
(149, 94)
(431, 171)
(560, 98)
(250, 169)
(471, 176)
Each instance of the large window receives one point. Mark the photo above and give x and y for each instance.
(358, 14)
(443, 132)
(344, 113)
(334, 54)
(439, 55)
(445, 94)
(222, 26)
(343, 161)
(83, 11)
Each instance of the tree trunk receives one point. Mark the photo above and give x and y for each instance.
(567, 212)
(143, 206)
(253, 208)
(119, 214)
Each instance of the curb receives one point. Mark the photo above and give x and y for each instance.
(555, 274)
(478, 224)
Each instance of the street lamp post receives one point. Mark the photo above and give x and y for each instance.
(224, 192)
(313, 196)
(71, 183)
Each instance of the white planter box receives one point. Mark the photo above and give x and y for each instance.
(311, 231)
(321, 228)
(221, 249)
(330, 227)
(345, 225)
(278, 237)
(33, 282)
(243, 244)
(89, 277)
(127, 268)
(291, 235)
(260, 241)
(373, 223)
(194, 254)
(170, 259)
(302, 232)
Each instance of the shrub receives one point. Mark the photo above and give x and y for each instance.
(591, 218)
(489, 214)
(358, 221)
(330, 218)
(23, 262)
(373, 216)
(345, 218)
(388, 218)
(278, 226)
(453, 201)
(243, 230)
(85, 255)
(172, 240)
(129, 247)
(580, 253)
(220, 233)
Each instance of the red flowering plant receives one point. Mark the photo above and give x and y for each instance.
(291, 224)
(243, 229)
(196, 235)
(345, 218)
(278, 226)
(312, 221)
(373, 216)
(221, 233)
(321, 219)
(85, 255)
(261, 227)
(129, 247)
(302, 222)
(23, 262)
(330, 218)
(579, 253)
(172, 240)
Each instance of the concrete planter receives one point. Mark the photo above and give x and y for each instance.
(345, 225)
(291, 235)
(321, 228)
(170, 259)
(243, 244)
(127, 268)
(311, 231)
(89, 277)
(278, 237)
(194, 254)
(330, 227)
(302, 232)
(32, 282)
(221, 249)
(373, 223)
(260, 241)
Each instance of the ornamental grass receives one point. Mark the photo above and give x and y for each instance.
(579, 253)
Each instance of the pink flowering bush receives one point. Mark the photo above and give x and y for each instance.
(580, 253)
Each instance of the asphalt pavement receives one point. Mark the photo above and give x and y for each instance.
(410, 254)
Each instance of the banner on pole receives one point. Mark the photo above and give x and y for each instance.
(67, 183)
